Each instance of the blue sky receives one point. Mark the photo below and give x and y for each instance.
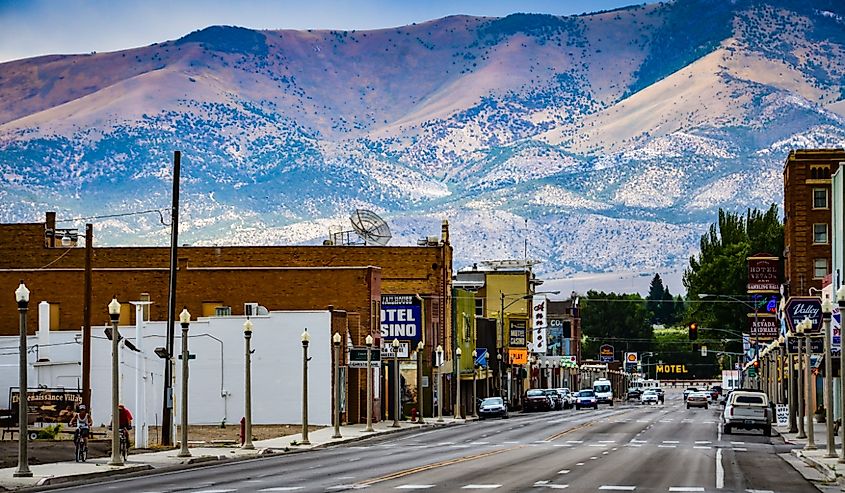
(38, 27)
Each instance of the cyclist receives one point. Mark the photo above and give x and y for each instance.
(83, 423)
(124, 421)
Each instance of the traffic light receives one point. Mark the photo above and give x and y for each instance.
(693, 331)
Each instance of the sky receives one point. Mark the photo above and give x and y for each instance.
(40, 27)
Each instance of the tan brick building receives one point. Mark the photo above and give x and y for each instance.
(807, 217)
(350, 279)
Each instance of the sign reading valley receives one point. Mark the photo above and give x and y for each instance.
(401, 317)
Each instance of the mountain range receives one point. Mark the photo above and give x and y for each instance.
(599, 142)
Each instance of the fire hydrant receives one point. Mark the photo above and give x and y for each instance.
(242, 433)
(413, 414)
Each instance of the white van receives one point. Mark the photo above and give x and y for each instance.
(603, 390)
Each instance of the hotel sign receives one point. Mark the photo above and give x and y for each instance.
(763, 273)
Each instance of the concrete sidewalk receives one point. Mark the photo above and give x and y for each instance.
(829, 468)
(71, 471)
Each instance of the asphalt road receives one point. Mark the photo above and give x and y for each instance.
(663, 448)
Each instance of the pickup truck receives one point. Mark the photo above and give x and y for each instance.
(748, 411)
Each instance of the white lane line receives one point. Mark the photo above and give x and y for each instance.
(633, 444)
(343, 487)
(671, 441)
(643, 421)
(638, 441)
(709, 422)
(415, 487)
(703, 447)
(607, 441)
(617, 488)
(740, 449)
(686, 488)
(479, 443)
(511, 441)
(481, 487)
(579, 463)
(557, 486)
(597, 445)
(605, 452)
(282, 488)
(565, 471)
(563, 445)
(667, 446)
(446, 443)
(720, 471)
(759, 491)
(702, 442)
(593, 458)
(215, 491)
(575, 441)
(737, 443)
(540, 483)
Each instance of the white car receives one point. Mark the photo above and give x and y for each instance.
(568, 397)
(650, 396)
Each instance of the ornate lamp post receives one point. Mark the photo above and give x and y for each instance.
(840, 300)
(458, 399)
(799, 334)
(809, 388)
(185, 321)
(474, 382)
(306, 338)
(439, 351)
(369, 342)
(247, 386)
(420, 399)
(114, 314)
(22, 297)
(336, 344)
(827, 309)
(396, 396)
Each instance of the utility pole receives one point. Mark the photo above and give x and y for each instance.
(86, 317)
(167, 404)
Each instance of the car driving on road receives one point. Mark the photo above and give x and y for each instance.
(649, 396)
(586, 398)
(557, 399)
(747, 410)
(688, 391)
(493, 407)
(568, 398)
(698, 399)
(537, 400)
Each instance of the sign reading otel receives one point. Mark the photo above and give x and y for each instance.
(401, 318)
(763, 273)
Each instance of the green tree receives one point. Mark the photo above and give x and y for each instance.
(654, 300)
(621, 320)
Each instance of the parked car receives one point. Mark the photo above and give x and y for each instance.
(698, 399)
(689, 391)
(586, 398)
(747, 410)
(537, 400)
(718, 389)
(492, 407)
(661, 395)
(568, 398)
(649, 396)
(633, 393)
(557, 400)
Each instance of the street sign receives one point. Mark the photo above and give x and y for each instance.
(703, 351)
(358, 357)
(190, 356)
(606, 353)
(517, 356)
(800, 307)
(763, 325)
(387, 349)
(816, 345)
(481, 356)
(631, 361)
(517, 332)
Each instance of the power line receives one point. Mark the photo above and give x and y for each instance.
(124, 214)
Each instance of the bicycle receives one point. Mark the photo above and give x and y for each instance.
(80, 443)
(124, 442)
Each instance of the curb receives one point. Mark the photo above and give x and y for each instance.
(52, 480)
(827, 472)
(362, 436)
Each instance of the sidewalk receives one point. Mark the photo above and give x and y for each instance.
(70, 471)
(830, 469)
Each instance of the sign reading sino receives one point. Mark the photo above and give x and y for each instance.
(401, 317)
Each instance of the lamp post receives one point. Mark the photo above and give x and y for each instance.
(114, 314)
(336, 344)
(840, 300)
(799, 334)
(474, 382)
(420, 347)
(809, 389)
(22, 297)
(369, 343)
(827, 309)
(185, 321)
(397, 387)
(247, 445)
(306, 338)
(439, 351)
(458, 399)
(499, 372)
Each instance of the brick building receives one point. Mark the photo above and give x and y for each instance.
(807, 217)
(223, 280)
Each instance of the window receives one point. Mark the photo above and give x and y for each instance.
(820, 198)
(479, 307)
(819, 268)
(54, 316)
(820, 233)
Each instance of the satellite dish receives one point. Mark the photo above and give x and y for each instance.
(370, 227)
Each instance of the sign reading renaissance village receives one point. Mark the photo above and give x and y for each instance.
(401, 317)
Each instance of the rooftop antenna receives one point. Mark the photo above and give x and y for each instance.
(370, 227)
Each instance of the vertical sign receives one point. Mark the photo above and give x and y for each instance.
(401, 317)
(538, 315)
(836, 330)
(517, 332)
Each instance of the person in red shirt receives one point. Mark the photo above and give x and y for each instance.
(124, 417)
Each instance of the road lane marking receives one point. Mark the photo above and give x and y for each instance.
(511, 442)
(737, 443)
(607, 441)
(283, 488)
(634, 440)
(215, 491)
(703, 447)
(759, 491)
(667, 446)
(593, 458)
(575, 441)
(565, 471)
(617, 488)
(740, 449)
(597, 445)
(540, 482)
(671, 441)
(557, 486)
(686, 488)
(435, 465)
(720, 471)
(481, 487)
(702, 442)
(479, 443)
(579, 463)
(415, 487)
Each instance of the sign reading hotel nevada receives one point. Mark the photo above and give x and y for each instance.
(401, 317)
(763, 273)
(538, 311)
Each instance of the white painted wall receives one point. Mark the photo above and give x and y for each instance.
(216, 391)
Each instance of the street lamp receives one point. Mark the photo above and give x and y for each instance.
(808, 387)
(396, 397)
(799, 334)
(247, 445)
(369, 343)
(114, 314)
(840, 299)
(336, 344)
(474, 382)
(827, 309)
(420, 347)
(306, 338)
(458, 366)
(22, 297)
(185, 321)
(439, 351)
